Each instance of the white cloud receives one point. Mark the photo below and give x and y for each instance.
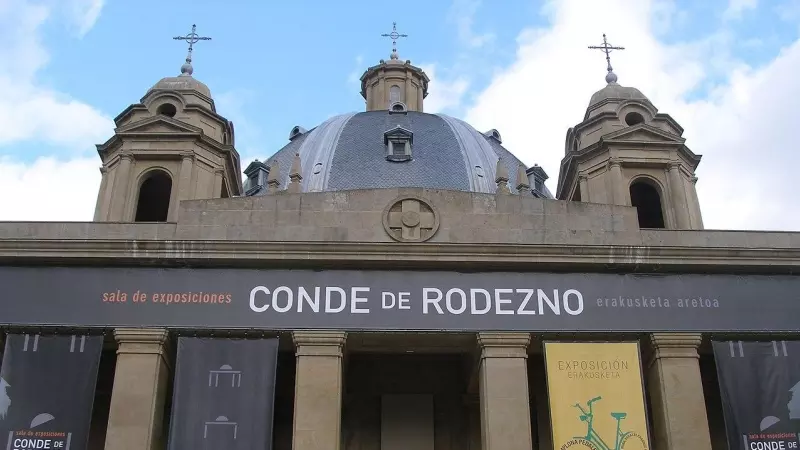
(463, 12)
(28, 110)
(737, 7)
(49, 189)
(443, 94)
(744, 130)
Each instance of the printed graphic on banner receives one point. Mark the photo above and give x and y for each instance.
(48, 385)
(224, 392)
(596, 396)
(760, 389)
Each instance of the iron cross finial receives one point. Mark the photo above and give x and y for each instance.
(192, 38)
(611, 77)
(394, 35)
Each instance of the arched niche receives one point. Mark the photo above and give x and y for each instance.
(155, 191)
(649, 203)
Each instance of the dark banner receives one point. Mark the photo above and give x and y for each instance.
(47, 388)
(397, 300)
(224, 394)
(760, 387)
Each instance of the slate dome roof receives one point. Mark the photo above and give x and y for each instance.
(348, 152)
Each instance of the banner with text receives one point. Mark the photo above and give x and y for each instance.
(596, 396)
(224, 394)
(397, 300)
(760, 388)
(47, 386)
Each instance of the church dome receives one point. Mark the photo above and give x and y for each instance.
(182, 83)
(353, 151)
(614, 91)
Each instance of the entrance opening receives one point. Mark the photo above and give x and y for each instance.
(102, 396)
(154, 196)
(399, 401)
(646, 199)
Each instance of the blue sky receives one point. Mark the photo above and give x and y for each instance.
(520, 66)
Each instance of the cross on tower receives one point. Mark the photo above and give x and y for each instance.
(611, 77)
(394, 35)
(192, 38)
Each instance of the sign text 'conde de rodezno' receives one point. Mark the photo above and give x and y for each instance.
(396, 300)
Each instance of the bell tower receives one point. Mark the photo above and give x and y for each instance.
(171, 146)
(394, 85)
(625, 152)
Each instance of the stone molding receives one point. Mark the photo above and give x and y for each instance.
(143, 341)
(504, 345)
(673, 345)
(319, 343)
(517, 257)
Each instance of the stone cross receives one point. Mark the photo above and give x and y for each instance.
(411, 219)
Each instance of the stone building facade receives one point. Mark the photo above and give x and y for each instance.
(394, 190)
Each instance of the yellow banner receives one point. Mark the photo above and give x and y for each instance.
(596, 397)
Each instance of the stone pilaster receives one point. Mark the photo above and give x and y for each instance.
(505, 404)
(318, 390)
(140, 383)
(676, 393)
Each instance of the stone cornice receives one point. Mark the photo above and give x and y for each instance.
(319, 343)
(504, 345)
(673, 345)
(179, 253)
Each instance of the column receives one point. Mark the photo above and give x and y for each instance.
(121, 191)
(135, 421)
(679, 204)
(505, 405)
(318, 390)
(583, 183)
(615, 165)
(185, 176)
(676, 393)
(100, 206)
(697, 216)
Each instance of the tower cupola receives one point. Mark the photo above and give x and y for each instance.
(394, 85)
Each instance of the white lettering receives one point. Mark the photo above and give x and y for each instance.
(427, 299)
(449, 302)
(384, 303)
(568, 307)
(528, 294)
(302, 295)
(502, 301)
(554, 305)
(474, 304)
(289, 299)
(26, 443)
(355, 300)
(403, 301)
(253, 306)
(342, 296)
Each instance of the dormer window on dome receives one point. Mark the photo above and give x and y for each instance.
(297, 130)
(494, 134)
(398, 108)
(398, 143)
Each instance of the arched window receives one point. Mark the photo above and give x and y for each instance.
(394, 94)
(154, 195)
(646, 199)
(167, 109)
